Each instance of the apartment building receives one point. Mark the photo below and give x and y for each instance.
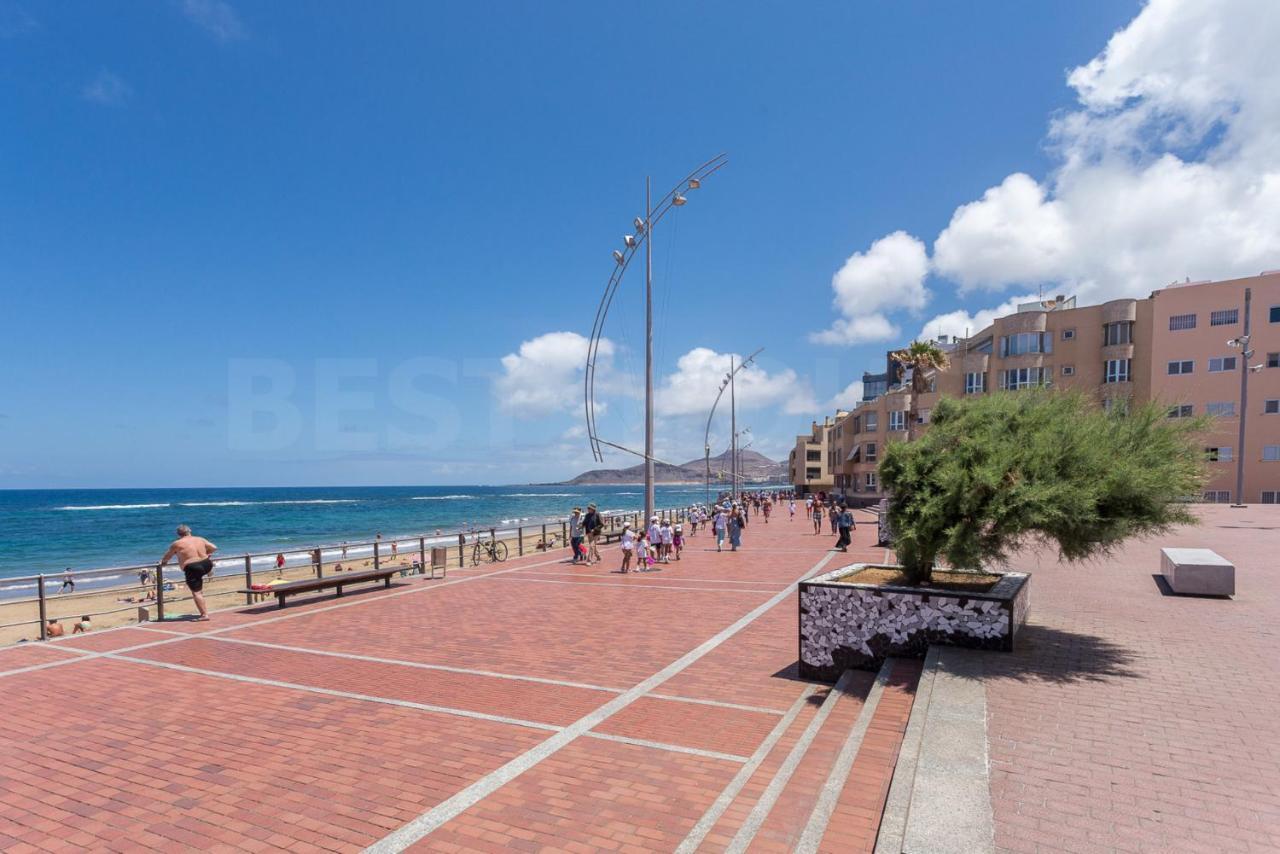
(1178, 346)
(810, 462)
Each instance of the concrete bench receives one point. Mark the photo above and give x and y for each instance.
(337, 580)
(1201, 572)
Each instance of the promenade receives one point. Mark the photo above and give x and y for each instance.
(534, 705)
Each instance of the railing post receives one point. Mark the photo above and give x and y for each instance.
(318, 558)
(377, 558)
(519, 540)
(44, 617)
(159, 594)
(248, 579)
(422, 558)
(564, 533)
(545, 547)
(462, 541)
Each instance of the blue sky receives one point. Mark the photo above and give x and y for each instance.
(375, 204)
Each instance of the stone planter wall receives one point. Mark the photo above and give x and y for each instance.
(844, 625)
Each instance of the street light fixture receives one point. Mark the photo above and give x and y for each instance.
(727, 382)
(643, 231)
(1245, 355)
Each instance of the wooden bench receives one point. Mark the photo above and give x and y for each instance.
(338, 580)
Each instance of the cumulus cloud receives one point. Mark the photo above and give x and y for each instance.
(888, 276)
(107, 89)
(848, 398)
(216, 17)
(545, 375)
(961, 323)
(1169, 167)
(692, 388)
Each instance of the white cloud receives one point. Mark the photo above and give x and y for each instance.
(848, 398)
(1169, 167)
(545, 375)
(961, 323)
(888, 276)
(217, 17)
(692, 388)
(107, 89)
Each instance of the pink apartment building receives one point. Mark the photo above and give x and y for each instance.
(1178, 346)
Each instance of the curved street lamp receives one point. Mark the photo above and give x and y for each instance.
(728, 383)
(622, 258)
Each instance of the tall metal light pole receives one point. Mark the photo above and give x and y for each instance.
(653, 214)
(1245, 369)
(727, 383)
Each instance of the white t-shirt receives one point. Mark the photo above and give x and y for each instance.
(666, 535)
(628, 541)
(721, 521)
(655, 534)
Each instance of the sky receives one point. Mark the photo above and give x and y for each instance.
(328, 243)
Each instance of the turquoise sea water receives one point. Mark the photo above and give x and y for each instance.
(51, 530)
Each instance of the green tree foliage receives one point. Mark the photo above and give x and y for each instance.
(996, 471)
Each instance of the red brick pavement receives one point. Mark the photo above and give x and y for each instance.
(117, 750)
(1133, 721)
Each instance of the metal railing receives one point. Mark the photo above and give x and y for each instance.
(158, 587)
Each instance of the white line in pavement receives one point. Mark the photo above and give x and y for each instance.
(636, 586)
(713, 813)
(494, 780)
(830, 795)
(719, 703)
(663, 745)
(764, 806)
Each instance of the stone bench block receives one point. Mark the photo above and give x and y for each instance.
(1201, 572)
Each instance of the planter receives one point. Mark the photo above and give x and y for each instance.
(844, 624)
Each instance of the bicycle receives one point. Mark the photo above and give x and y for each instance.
(493, 551)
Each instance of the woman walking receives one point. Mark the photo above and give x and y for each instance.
(721, 525)
(736, 523)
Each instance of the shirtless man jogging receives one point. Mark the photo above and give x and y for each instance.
(193, 556)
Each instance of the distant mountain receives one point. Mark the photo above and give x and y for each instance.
(755, 467)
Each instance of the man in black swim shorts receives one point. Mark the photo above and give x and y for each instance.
(194, 557)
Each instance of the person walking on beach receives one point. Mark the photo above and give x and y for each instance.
(845, 522)
(193, 555)
(68, 582)
(575, 534)
(280, 561)
(628, 547)
(592, 524)
(737, 521)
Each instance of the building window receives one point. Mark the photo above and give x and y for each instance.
(873, 422)
(1185, 366)
(1226, 317)
(1116, 406)
(1116, 371)
(975, 382)
(1183, 321)
(812, 473)
(870, 481)
(898, 419)
(1225, 363)
(1026, 342)
(922, 417)
(1275, 314)
(1221, 409)
(1016, 378)
(813, 456)
(1068, 370)
(1269, 496)
(1273, 360)
(1218, 496)
(1068, 334)
(870, 451)
(1182, 410)
(1218, 455)
(1117, 333)
(1271, 407)
(1271, 453)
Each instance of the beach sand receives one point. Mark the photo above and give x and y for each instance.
(107, 610)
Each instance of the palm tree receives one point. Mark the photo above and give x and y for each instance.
(920, 357)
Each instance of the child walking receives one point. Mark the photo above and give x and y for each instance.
(677, 540)
(628, 548)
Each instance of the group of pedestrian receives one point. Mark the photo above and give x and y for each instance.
(584, 535)
(659, 542)
(838, 516)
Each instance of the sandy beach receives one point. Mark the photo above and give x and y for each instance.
(108, 607)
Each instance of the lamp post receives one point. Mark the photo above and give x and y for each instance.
(1245, 369)
(727, 382)
(653, 214)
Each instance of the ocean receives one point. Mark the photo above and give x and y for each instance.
(52, 530)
